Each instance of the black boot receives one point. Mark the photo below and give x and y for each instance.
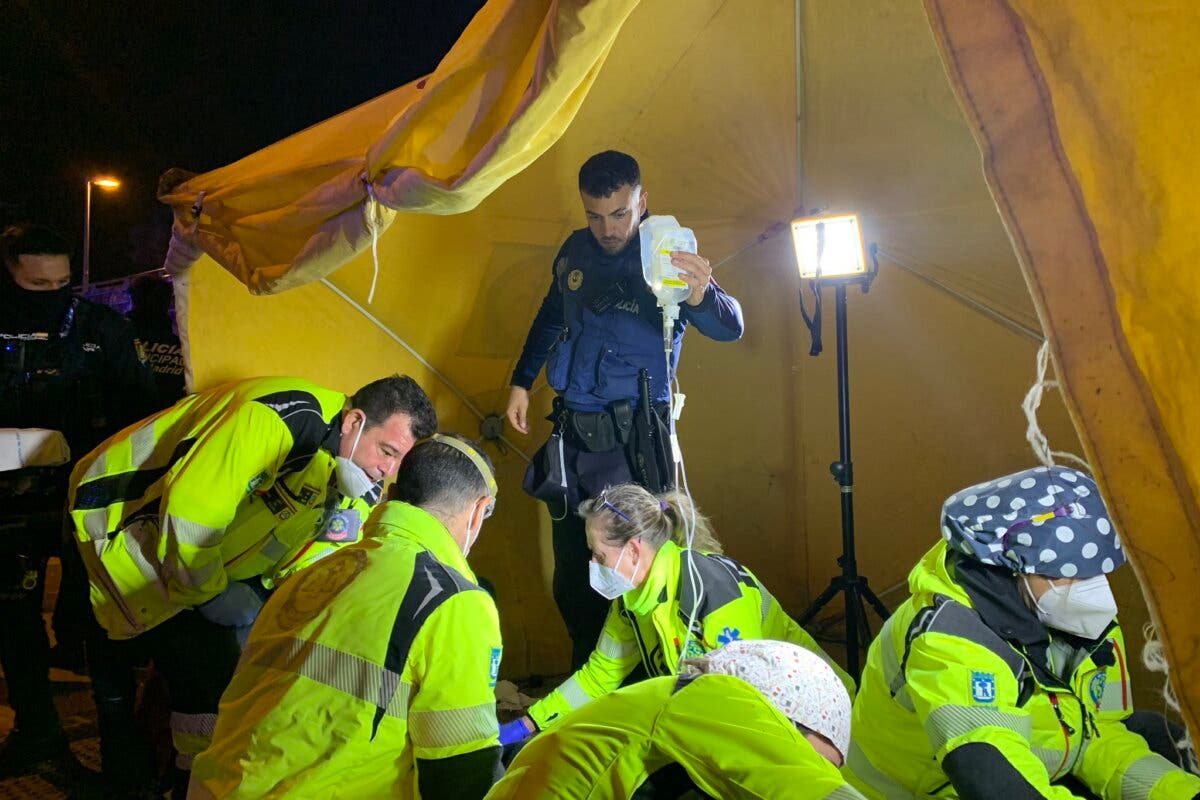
(24, 750)
(126, 758)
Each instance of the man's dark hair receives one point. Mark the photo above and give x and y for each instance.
(604, 173)
(29, 239)
(399, 394)
(434, 475)
(151, 294)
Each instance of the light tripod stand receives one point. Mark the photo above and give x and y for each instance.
(814, 251)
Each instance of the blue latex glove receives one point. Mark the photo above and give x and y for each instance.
(237, 606)
(513, 732)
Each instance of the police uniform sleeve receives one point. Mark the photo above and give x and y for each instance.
(615, 656)
(546, 328)
(454, 664)
(132, 390)
(719, 316)
(203, 492)
(966, 698)
(1118, 763)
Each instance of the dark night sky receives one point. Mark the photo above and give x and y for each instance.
(133, 88)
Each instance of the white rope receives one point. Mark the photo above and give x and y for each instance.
(1155, 660)
(420, 358)
(373, 210)
(1033, 398)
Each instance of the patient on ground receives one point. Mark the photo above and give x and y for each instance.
(754, 719)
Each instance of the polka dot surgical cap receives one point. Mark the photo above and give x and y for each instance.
(1048, 521)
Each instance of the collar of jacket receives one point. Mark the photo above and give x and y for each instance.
(332, 442)
(660, 583)
(996, 597)
(404, 521)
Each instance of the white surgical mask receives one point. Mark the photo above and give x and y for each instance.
(1084, 608)
(471, 539)
(352, 480)
(607, 581)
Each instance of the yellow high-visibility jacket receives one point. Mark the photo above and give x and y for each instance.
(649, 625)
(215, 488)
(361, 669)
(945, 677)
(730, 739)
(342, 527)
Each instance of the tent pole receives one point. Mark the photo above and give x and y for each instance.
(799, 18)
(420, 358)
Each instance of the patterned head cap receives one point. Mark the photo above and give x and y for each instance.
(802, 686)
(1048, 521)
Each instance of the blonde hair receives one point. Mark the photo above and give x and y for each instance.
(629, 511)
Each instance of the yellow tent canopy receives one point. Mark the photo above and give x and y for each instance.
(462, 185)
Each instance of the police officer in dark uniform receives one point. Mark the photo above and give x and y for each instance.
(68, 365)
(153, 316)
(599, 332)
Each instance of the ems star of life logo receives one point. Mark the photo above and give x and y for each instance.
(319, 584)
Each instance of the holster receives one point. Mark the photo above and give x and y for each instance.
(546, 476)
(593, 431)
(649, 447)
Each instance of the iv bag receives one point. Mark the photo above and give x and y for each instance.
(660, 236)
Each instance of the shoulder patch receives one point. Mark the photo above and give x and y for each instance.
(1096, 688)
(318, 585)
(983, 687)
(494, 666)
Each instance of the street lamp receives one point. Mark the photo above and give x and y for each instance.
(108, 183)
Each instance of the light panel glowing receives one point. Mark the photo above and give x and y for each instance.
(829, 247)
(106, 182)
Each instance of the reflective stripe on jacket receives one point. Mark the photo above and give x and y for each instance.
(938, 678)
(649, 624)
(730, 739)
(381, 654)
(213, 488)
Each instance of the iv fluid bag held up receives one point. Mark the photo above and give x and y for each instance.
(660, 236)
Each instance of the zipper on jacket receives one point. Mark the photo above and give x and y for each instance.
(1067, 730)
(637, 635)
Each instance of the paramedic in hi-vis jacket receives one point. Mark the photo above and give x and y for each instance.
(373, 672)
(655, 586)
(173, 514)
(1006, 676)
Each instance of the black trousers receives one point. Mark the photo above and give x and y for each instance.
(29, 542)
(195, 657)
(582, 609)
(25, 656)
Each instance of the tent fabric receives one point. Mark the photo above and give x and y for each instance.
(1088, 130)
(739, 114)
(299, 209)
